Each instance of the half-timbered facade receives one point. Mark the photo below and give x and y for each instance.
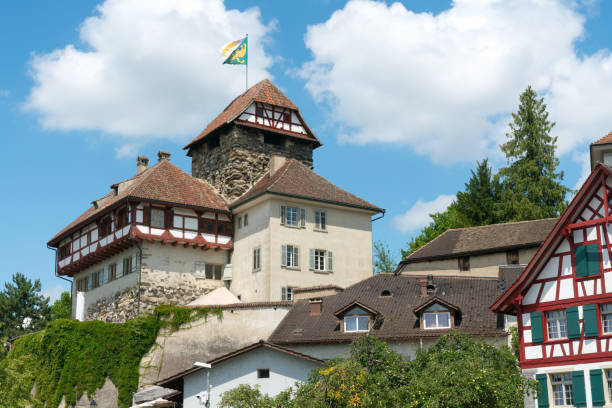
(563, 301)
(159, 237)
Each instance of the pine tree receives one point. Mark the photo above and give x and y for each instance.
(22, 308)
(478, 203)
(531, 184)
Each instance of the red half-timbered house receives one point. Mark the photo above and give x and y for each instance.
(563, 301)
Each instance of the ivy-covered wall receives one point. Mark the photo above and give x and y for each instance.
(71, 358)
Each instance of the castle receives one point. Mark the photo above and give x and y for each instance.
(253, 218)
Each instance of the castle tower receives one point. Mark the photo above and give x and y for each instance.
(235, 149)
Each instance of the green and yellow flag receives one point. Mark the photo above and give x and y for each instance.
(236, 53)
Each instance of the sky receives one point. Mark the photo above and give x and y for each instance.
(405, 96)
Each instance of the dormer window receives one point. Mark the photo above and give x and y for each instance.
(356, 320)
(436, 320)
(437, 314)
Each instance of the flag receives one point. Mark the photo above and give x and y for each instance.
(235, 52)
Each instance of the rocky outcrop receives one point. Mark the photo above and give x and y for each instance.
(242, 156)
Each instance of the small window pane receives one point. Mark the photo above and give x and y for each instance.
(350, 324)
(363, 323)
(443, 319)
(157, 218)
(263, 373)
(430, 320)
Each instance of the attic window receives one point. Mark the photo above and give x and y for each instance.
(512, 257)
(436, 320)
(385, 293)
(356, 320)
(259, 111)
(464, 263)
(287, 117)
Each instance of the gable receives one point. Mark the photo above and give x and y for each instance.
(574, 261)
(274, 117)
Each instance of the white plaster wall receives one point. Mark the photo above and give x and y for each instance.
(348, 236)
(480, 265)
(111, 288)
(169, 258)
(285, 370)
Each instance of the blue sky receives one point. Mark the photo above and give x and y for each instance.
(404, 96)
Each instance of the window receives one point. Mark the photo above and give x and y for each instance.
(96, 279)
(512, 257)
(82, 285)
(221, 229)
(464, 263)
(587, 260)
(256, 259)
(562, 389)
(286, 293)
(105, 227)
(289, 216)
(609, 382)
(207, 226)
(356, 320)
(122, 217)
(556, 322)
(321, 260)
(127, 265)
(157, 218)
(290, 256)
(436, 320)
(112, 272)
(259, 111)
(263, 373)
(246, 219)
(64, 251)
(606, 318)
(240, 222)
(214, 271)
(320, 220)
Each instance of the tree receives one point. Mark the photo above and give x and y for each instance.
(477, 205)
(531, 184)
(22, 308)
(62, 307)
(384, 262)
(441, 222)
(245, 396)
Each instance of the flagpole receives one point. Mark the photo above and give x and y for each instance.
(247, 65)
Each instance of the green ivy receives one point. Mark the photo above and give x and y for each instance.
(71, 358)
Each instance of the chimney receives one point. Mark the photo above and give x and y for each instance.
(423, 284)
(161, 156)
(431, 288)
(141, 164)
(276, 162)
(315, 306)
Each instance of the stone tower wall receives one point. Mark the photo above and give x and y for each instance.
(242, 157)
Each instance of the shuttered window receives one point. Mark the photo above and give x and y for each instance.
(537, 335)
(573, 325)
(578, 389)
(587, 260)
(543, 394)
(589, 313)
(597, 389)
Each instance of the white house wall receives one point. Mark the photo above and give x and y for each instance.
(285, 370)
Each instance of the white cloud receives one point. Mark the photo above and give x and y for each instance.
(54, 292)
(584, 159)
(147, 68)
(444, 84)
(418, 215)
(127, 150)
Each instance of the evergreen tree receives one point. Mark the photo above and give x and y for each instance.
(477, 204)
(22, 308)
(384, 262)
(531, 184)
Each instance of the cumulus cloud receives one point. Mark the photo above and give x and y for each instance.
(445, 84)
(418, 215)
(147, 68)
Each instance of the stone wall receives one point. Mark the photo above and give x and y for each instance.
(117, 308)
(242, 157)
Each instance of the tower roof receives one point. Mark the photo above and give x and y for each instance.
(263, 92)
(162, 183)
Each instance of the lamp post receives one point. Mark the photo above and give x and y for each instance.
(207, 366)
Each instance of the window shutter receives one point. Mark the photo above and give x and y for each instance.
(296, 257)
(578, 389)
(303, 217)
(537, 336)
(580, 253)
(573, 326)
(543, 394)
(589, 313)
(312, 262)
(146, 215)
(282, 214)
(284, 255)
(593, 259)
(119, 272)
(330, 261)
(597, 391)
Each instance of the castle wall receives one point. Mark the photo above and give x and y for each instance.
(242, 157)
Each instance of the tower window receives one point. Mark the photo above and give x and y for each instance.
(274, 140)
(213, 142)
(259, 111)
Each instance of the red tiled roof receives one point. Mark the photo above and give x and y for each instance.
(604, 140)
(265, 92)
(162, 182)
(294, 179)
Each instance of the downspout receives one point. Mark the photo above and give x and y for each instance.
(378, 218)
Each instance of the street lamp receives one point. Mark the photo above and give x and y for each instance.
(208, 366)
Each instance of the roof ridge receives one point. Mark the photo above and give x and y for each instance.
(501, 223)
(427, 244)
